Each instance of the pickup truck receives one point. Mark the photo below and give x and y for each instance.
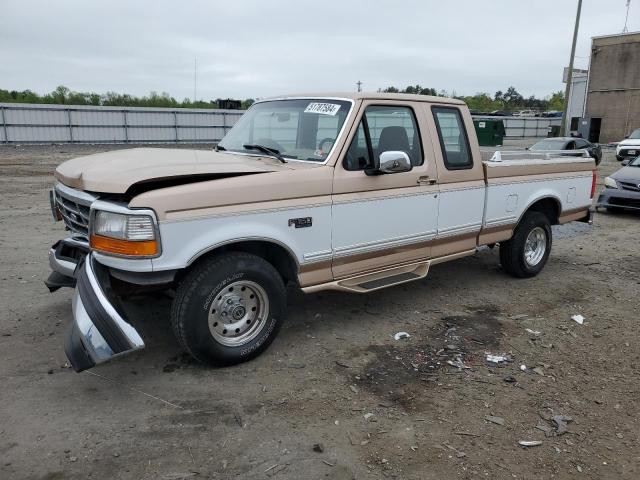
(351, 192)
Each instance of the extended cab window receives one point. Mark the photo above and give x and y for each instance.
(453, 138)
(382, 129)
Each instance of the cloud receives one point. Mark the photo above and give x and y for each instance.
(254, 48)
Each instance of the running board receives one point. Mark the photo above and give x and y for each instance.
(371, 282)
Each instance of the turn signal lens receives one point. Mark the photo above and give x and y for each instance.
(124, 247)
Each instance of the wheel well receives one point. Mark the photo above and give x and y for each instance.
(275, 254)
(547, 206)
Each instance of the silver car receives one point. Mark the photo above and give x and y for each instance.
(622, 189)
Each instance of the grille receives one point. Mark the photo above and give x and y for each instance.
(74, 206)
(625, 202)
(630, 186)
(624, 152)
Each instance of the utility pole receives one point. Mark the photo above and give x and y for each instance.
(567, 91)
(626, 18)
(359, 84)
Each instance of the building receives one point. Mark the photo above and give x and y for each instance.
(612, 108)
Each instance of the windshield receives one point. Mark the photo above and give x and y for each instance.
(634, 163)
(294, 129)
(550, 144)
(635, 134)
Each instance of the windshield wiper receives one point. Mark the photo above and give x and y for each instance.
(269, 151)
(220, 148)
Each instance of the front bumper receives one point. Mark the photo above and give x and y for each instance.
(619, 198)
(98, 332)
(64, 257)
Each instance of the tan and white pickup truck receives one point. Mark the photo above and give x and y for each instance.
(352, 192)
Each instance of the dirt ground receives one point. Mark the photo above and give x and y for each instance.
(335, 378)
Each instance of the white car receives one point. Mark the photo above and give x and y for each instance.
(629, 147)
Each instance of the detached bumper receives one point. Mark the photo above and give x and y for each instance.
(64, 257)
(98, 332)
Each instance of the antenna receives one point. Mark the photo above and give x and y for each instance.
(626, 18)
(359, 84)
(195, 79)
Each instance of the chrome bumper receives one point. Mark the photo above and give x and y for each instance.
(98, 332)
(64, 257)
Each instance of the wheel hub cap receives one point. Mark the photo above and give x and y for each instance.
(238, 313)
(535, 246)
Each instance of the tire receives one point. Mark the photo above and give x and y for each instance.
(523, 260)
(229, 309)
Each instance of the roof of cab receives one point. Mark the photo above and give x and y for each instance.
(371, 96)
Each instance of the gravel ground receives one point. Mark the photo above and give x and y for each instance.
(335, 397)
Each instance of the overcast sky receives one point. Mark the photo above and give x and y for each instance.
(257, 48)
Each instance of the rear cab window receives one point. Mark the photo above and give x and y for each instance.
(452, 134)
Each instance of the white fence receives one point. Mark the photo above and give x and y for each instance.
(30, 123)
(524, 126)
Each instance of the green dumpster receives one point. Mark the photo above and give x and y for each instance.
(490, 132)
(553, 131)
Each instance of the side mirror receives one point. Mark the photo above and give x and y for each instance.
(394, 162)
(624, 163)
(626, 136)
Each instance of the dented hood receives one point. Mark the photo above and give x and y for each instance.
(119, 170)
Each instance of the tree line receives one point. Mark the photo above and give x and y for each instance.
(510, 99)
(480, 102)
(64, 96)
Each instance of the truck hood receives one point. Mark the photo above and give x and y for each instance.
(120, 170)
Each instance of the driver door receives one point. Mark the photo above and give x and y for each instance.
(386, 219)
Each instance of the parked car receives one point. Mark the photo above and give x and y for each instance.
(574, 145)
(353, 192)
(622, 189)
(525, 113)
(629, 147)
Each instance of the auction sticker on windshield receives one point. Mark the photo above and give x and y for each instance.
(322, 108)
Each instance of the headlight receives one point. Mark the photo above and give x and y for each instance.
(610, 183)
(123, 234)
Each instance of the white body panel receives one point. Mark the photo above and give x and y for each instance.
(460, 211)
(183, 241)
(353, 227)
(369, 225)
(506, 202)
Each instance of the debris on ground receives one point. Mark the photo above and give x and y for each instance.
(510, 379)
(368, 416)
(457, 362)
(529, 443)
(561, 422)
(538, 370)
(318, 447)
(458, 453)
(494, 419)
(496, 358)
(578, 319)
(533, 332)
(523, 367)
(543, 426)
(401, 335)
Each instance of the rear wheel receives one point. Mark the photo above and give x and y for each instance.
(526, 253)
(229, 309)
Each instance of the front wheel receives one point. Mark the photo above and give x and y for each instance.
(228, 309)
(526, 253)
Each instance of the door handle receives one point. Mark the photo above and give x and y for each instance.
(426, 180)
